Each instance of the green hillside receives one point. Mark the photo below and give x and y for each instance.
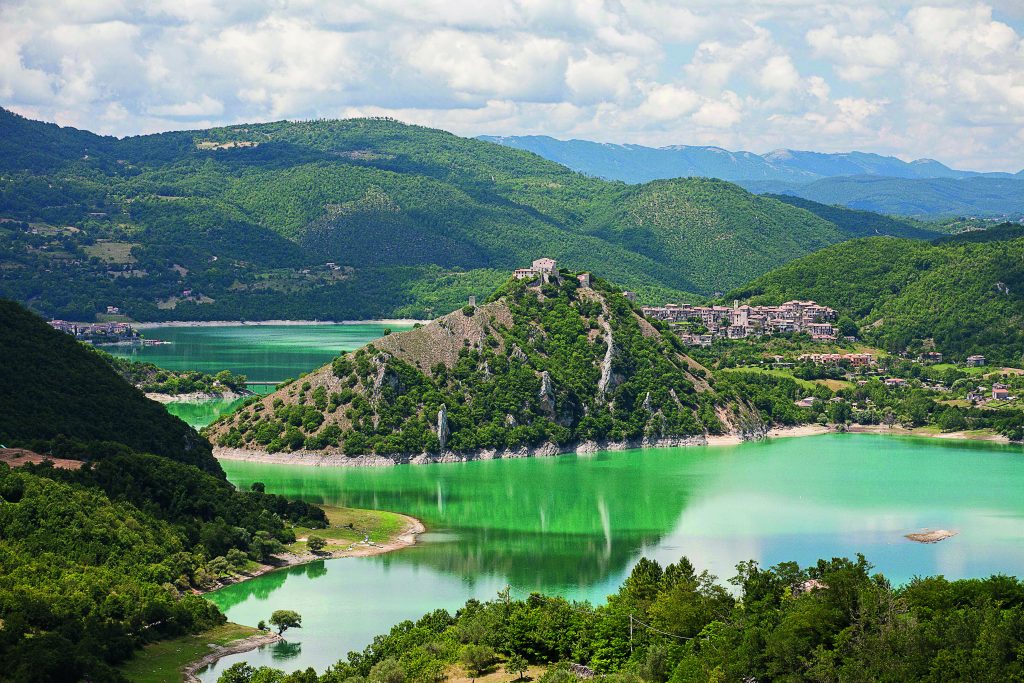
(542, 366)
(242, 222)
(97, 561)
(55, 389)
(967, 296)
(855, 223)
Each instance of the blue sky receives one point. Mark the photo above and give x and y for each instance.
(941, 79)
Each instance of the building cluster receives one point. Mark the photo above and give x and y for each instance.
(854, 359)
(545, 269)
(738, 321)
(96, 331)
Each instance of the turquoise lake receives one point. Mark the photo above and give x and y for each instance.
(263, 353)
(575, 525)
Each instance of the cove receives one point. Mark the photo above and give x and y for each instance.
(575, 525)
(263, 353)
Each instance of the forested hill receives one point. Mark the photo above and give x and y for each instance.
(968, 296)
(53, 388)
(544, 367)
(358, 218)
(97, 561)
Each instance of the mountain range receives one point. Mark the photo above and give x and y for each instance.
(924, 188)
(356, 219)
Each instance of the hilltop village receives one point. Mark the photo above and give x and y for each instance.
(739, 322)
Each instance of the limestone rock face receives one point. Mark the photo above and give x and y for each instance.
(517, 353)
(547, 393)
(648, 406)
(384, 376)
(608, 380)
(442, 426)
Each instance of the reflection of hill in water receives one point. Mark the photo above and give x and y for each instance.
(540, 522)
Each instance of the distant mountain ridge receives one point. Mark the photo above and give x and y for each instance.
(638, 163)
(924, 188)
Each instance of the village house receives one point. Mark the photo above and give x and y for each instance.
(895, 382)
(931, 357)
(739, 322)
(975, 361)
(545, 269)
(806, 402)
(1000, 392)
(854, 359)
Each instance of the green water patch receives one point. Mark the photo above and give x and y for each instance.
(263, 353)
(575, 525)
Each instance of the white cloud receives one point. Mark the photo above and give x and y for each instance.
(938, 78)
(204, 106)
(855, 57)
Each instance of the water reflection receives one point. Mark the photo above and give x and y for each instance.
(575, 526)
(283, 650)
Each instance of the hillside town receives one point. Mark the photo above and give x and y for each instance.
(98, 333)
(738, 322)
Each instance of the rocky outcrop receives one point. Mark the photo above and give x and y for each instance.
(385, 377)
(607, 381)
(442, 427)
(547, 393)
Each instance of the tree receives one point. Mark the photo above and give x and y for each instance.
(264, 546)
(387, 671)
(477, 658)
(316, 543)
(237, 558)
(258, 487)
(847, 327)
(285, 619)
(516, 664)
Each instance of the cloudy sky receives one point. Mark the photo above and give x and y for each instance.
(937, 78)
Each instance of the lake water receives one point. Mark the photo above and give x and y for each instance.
(263, 353)
(575, 525)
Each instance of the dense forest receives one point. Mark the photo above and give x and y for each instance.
(832, 621)
(963, 294)
(99, 560)
(554, 363)
(353, 219)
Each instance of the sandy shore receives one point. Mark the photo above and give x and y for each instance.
(258, 323)
(901, 431)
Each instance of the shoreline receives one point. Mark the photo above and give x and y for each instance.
(320, 459)
(903, 431)
(260, 323)
(195, 397)
(253, 642)
(405, 539)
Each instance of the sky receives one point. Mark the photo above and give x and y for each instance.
(941, 79)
